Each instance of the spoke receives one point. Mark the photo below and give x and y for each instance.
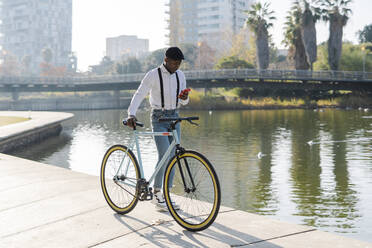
(119, 192)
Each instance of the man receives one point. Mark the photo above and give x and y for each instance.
(164, 84)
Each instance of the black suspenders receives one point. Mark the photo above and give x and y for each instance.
(162, 88)
(178, 89)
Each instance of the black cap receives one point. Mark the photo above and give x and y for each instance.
(174, 53)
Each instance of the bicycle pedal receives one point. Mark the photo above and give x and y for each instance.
(150, 195)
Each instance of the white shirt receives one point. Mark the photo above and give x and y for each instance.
(151, 83)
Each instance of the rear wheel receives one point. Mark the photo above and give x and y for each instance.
(119, 176)
(193, 196)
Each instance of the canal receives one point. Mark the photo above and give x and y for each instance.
(302, 166)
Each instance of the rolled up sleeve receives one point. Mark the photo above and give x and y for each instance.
(140, 94)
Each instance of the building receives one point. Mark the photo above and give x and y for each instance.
(212, 21)
(125, 46)
(29, 26)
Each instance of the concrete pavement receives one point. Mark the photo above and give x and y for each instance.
(47, 206)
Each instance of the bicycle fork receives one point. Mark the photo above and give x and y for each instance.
(186, 188)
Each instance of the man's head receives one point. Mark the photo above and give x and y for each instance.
(173, 58)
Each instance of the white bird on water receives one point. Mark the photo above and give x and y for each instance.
(260, 155)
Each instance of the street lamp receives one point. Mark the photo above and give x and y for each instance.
(364, 59)
(199, 45)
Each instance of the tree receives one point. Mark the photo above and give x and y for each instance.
(365, 35)
(293, 38)
(47, 55)
(190, 52)
(259, 20)
(26, 63)
(104, 67)
(310, 15)
(243, 46)
(46, 66)
(206, 56)
(351, 59)
(9, 65)
(154, 59)
(130, 65)
(232, 62)
(337, 13)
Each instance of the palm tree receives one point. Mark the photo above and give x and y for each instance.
(310, 15)
(337, 13)
(293, 37)
(259, 20)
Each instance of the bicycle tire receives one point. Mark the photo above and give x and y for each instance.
(119, 195)
(196, 210)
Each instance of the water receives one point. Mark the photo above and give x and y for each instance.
(302, 166)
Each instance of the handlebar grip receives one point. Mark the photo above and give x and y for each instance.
(193, 118)
(140, 124)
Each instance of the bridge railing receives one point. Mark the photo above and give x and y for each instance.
(226, 74)
(278, 75)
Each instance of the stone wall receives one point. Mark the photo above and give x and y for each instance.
(29, 137)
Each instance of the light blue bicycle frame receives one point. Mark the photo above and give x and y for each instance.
(135, 142)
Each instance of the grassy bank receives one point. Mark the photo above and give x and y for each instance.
(225, 100)
(6, 120)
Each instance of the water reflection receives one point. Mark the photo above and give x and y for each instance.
(264, 159)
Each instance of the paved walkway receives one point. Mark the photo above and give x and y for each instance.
(47, 206)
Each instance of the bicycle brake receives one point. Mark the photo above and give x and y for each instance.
(193, 123)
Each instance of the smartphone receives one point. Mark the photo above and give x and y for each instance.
(184, 91)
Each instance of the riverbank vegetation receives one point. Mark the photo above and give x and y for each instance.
(230, 99)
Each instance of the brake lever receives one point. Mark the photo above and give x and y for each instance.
(193, 123)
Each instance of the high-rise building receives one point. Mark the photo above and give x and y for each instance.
(125, 46)
(29, 26)
(211, 21)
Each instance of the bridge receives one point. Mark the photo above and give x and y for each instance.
(227, 78)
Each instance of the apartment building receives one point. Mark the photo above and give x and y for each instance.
(29, 26)
(125, 46)
(211, 21)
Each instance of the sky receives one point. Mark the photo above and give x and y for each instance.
(95, 20)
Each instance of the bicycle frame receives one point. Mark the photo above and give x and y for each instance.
(162, 162)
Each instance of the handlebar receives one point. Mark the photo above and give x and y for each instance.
(165, 119)
(174, 121)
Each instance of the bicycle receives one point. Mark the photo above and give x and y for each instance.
(193, 197)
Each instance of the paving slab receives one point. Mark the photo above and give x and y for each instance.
(63, 208)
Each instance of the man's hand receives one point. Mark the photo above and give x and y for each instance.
(131, 120)
(184, 94)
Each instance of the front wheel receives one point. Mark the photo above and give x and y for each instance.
(192, 191)
(119, 176)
